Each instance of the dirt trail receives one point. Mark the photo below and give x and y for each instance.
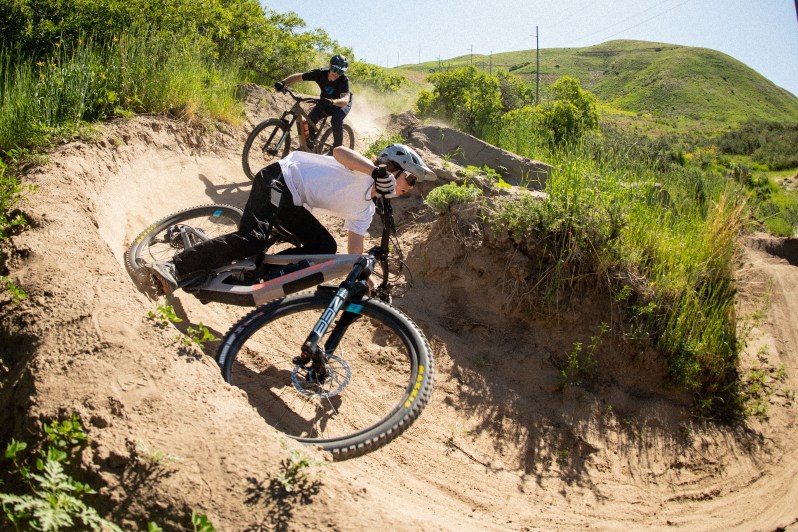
(500, 446)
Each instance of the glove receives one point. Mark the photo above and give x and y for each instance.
(384, 180)
(326, 101)
(279, 86)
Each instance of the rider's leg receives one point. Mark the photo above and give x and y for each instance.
(313, 236)
(250, 239)
(337, 121)
(316, 114)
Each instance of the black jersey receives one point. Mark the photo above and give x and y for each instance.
(329, 89)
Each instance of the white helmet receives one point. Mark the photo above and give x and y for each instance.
(406, 158)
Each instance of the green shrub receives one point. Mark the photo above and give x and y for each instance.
(55, 499)
(443, 197)
(469, 98)
(376, 77)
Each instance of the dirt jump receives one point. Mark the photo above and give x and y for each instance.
(501, 444)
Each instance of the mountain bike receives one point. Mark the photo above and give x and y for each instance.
(271, 139)
(338, 367)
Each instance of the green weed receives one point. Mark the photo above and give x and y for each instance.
(375, 146)
(196, 336)
(152, 456)
(55, 499)
(443, 197)
(201, 523)
(294, 471)
(163, 315)
(579, 363)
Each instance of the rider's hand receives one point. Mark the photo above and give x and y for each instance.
(384, 180)
(326, 101)
(279, 86)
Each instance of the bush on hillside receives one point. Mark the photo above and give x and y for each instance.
(571, 114)
(376, 77)
(469, 98)
(770, 143)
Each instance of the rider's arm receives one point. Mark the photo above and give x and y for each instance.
(341, 101)
(354, 243)
(353, 160)
(293, 78)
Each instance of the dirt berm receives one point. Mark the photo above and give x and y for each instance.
(500, 446)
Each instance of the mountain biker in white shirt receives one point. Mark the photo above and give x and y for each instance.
(287, 193)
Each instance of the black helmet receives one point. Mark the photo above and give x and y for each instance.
(338, 64)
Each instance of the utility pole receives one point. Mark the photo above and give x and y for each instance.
(471, 57)
(537, 66)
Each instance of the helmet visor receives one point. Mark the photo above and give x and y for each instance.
(337, 69)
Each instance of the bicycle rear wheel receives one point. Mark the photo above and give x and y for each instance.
(261, 147)
(379, 378)
(326, 143)
(169, 235)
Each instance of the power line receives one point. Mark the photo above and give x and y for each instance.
(579, 10)
(646, 20)
(631, 17)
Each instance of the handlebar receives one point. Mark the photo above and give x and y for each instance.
(298, 98)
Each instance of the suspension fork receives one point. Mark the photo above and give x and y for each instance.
(351, 285)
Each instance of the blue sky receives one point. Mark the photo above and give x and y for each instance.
(763, 34)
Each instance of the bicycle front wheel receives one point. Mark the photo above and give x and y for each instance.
(268, 142)
(170, 235)
(326, 143)
(379, 377)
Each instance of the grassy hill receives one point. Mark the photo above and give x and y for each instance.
(663, 80)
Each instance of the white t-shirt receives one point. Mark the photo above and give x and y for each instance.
(322, 184)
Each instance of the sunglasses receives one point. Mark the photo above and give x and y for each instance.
(337, 70)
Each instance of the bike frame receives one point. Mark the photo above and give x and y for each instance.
(294, 113)
(223, 286)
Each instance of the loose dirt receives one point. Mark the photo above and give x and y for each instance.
(501, 446)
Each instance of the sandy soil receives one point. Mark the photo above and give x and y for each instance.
(500, 446)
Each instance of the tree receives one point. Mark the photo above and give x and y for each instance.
(514, 92)
(262, 41)
(468, 97)
(571, 114)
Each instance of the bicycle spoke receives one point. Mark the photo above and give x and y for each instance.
(368, 377)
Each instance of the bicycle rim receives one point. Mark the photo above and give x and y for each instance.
(168, 236)
(379, 377)
(260, 148)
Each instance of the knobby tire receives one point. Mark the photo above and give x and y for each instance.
(325, 145)
(380, 377)
(263, 138)
(153, 245)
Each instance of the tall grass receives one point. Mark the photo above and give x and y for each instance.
(140, 71)
(662, 242)
(43, 99)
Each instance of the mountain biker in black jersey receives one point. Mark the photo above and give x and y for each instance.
(336, 98)
(285, 192)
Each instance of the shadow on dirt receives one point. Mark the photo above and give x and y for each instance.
(234, 194)
(508, 368)
(785, 248)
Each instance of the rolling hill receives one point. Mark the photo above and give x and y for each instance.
(663, 80)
